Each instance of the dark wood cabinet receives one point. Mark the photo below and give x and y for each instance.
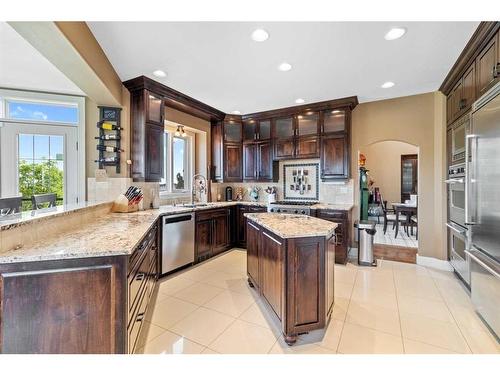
(342, 232)
(258, 162)
(307, 124)
(307, 147)
(284, 148)
(271, 255)
(487, 65)
(94, 305)
(250, 161)
(476, 70)
(74, 306)
(334, 158)
(154, 152)
(253, 237)
(233, 162)
(212, 232)
(203, 238)
(220, 232)
(154, 108)
(241, 224)
(226, 143)
(147, 135)
(267, 170)
(294, 276)
(143, 271)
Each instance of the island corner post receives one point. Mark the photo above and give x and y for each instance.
(294, 275)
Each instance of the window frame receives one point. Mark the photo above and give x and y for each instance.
(9, 95)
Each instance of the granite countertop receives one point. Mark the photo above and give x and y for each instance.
(9, 221)
(112, 234)
(331, 206)
(119, 233)
(293, 226)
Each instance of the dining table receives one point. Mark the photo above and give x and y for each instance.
(409, 209)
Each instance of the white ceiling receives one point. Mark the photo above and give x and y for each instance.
(219, 64)
(23, 67)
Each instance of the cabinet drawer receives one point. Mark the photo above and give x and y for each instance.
(329, 214)
(138, 253)
(137, 322)
(209, 214)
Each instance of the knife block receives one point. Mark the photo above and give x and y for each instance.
(120, 204)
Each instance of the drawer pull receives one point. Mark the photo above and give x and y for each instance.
(140, 277)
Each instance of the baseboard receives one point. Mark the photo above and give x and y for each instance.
(434, 263)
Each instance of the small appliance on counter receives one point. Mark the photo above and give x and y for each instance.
(229, 194)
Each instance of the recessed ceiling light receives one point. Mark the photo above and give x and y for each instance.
(299, 101)
(236, 113)
(159, 73)
(260, 35)
(284, 67)
(387, 84)
(395, 33)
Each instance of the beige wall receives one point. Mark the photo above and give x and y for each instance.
(383, 160)
(418, 120)
(91, 131)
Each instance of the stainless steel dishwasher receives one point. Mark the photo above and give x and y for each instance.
(177, 241)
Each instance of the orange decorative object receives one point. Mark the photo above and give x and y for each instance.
(362, 160)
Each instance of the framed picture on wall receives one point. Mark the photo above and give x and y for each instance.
(301, 181)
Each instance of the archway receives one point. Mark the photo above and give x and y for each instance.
(393, 174)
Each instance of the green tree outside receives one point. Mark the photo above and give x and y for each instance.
(40, 178)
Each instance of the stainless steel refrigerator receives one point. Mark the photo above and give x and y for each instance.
(483, 206)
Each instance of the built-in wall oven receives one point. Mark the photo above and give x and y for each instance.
(457, 229)
(456, 194)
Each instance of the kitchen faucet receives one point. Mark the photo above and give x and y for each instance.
(202, 187)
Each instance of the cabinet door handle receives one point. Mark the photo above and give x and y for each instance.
(140, 276)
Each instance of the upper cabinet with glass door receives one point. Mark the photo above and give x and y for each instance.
(334, 121)
(249, 130)
(307, 123)
(233, 131)
(155, 108)
(284, 128)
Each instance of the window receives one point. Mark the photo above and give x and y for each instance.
(39, 153)
(45, 112)
(179, 159)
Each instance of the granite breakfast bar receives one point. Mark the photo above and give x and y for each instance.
(290, 261)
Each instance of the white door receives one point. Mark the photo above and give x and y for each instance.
(38, 158)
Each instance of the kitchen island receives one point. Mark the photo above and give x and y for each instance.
(290, 261)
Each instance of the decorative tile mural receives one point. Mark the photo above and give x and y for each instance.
(301, 181)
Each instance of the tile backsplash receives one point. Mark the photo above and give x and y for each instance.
(329, 192)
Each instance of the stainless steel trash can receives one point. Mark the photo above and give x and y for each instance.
(366, 232)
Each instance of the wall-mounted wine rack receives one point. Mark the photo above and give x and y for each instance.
(109, 137)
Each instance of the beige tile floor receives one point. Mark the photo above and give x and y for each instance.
(393, 308)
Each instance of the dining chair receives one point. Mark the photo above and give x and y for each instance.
(390, 216)
(38, 200)
(9, 206)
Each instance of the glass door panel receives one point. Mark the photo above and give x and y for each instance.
(284, 128)
(334, 121)
(249, 130)
(265, 129)
(308, 124)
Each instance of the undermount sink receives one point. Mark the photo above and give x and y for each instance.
(194, 205)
